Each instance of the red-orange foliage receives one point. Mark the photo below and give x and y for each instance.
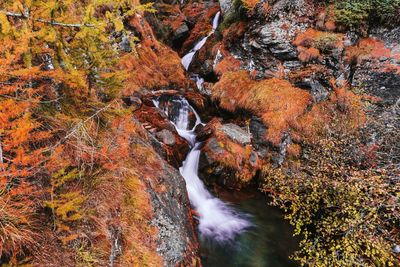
(276, 101)
(308, 54)
(234, 156)
(170, 15)
(234, 32)
(312, 42)
(343, 111)
(369, 48)
(227, 64)
(308, 71)
(250, 4)
(330, 25)
(152, 69)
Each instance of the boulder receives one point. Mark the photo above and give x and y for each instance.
(236, 133)
(166, 137)
(228, 159)
(177, 239)
(166, 140)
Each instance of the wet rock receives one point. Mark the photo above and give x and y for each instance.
(205, 132)
(226, 6)
(133, 101)
(181, 33)
(172, 105)
(166, 137)
(228, 158)
(236, 133)
(177, 241)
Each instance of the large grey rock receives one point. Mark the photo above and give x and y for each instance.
(181, 32)
(318, 91)
(226, 6)
(274, 37)
(236, 133)
(176, 236)
(167, 137)
(125, 44)
(258, 131)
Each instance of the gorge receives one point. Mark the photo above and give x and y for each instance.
(200, 133)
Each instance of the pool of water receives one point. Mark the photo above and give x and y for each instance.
(269, 243)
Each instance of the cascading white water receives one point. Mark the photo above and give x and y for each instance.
(217, 219)
(187, 59)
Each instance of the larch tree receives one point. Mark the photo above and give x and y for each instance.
(57, 73)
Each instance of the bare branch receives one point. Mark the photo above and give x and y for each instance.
(53, 23)
(1, 157)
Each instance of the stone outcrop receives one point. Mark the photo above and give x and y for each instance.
(228, 158)
(172, 214)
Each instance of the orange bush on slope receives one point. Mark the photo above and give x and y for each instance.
(343, 111)
(368, 48)
(311, 43)
(152, 69)
(276, 101)
(235, 157)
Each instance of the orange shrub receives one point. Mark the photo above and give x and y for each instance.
(276, 101)
(308, 54)
(228, 63)
(234, 32)
(231, 87)
(343, 111)
(152, 69)
(368, 48)
(312, 42)
(250, 4)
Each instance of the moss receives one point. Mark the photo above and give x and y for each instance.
(354, 14)
(236, 14)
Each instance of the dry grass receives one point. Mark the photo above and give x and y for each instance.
(368, 48)
(152, 69)
(227, 64)
(312, 43)
(276, 101)
(344, 109)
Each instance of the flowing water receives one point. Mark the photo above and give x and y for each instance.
(233, 233)
(238, 232)
(217, 220)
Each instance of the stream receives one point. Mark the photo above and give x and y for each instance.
(233, 231)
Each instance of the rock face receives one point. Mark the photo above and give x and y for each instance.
(177, 237)
(228, 158)
(172, 213)
(381, 76)
(235, 133)
(164, 136)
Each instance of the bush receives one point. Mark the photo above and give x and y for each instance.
(352, 13)
(275, 100)
(345, 215)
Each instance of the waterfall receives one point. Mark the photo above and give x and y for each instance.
(187, 59)
(217, 220)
